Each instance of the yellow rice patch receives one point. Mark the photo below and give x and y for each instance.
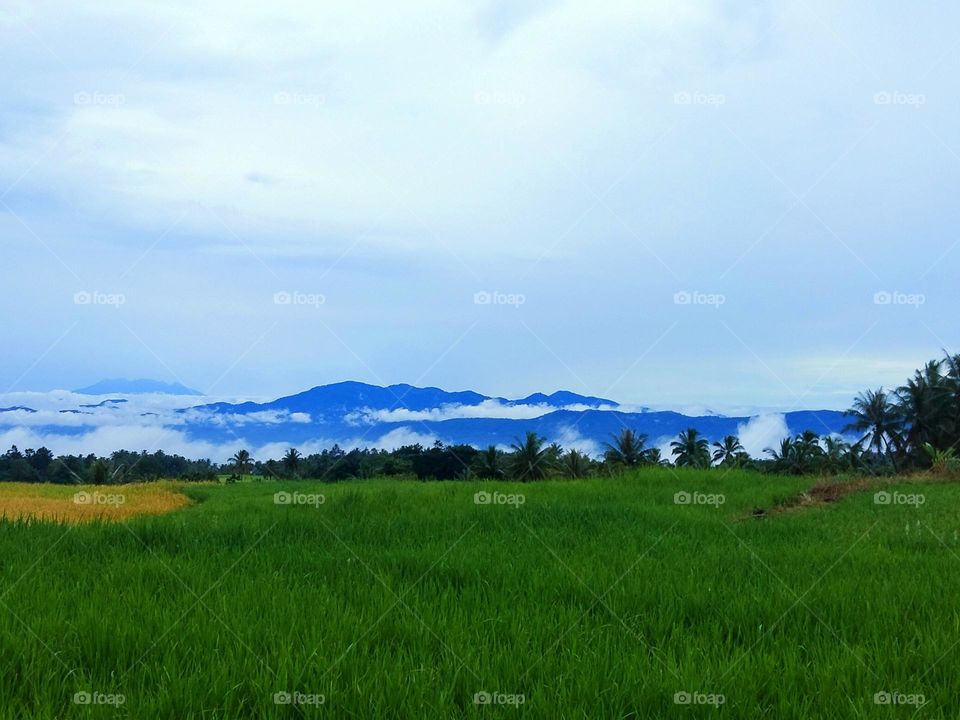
(82, 503)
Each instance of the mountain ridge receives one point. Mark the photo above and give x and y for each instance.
(356, 412)
(140, 386)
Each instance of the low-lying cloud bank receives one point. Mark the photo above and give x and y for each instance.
(105, 440)
(486, 409)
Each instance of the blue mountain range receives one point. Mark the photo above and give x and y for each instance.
(358, 414)
(354, 412)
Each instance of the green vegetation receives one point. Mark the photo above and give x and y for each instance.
(599, 598)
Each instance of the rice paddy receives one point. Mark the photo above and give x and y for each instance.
(78, 503)
(659, 594)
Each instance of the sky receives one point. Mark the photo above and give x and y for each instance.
(670, 204)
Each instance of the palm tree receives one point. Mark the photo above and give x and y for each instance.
(836, 454)
(691, 450)
(575, 464)
(924, 404)
(554, 453)
(879, 420)
(291, 461)
(808, 453)
(798, 455)
(489, 465)
(783, 458)
(729, 452)
(628, 449)
(654, 458)
(242, 462)
(530, 460)
(952, 365)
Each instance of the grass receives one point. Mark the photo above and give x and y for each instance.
(592, 599)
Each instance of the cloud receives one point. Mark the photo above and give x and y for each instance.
(662, 443)
(353, 98)
(485, 409)
(570, 439)
(104, 440)
(400, 437)
(762, 432)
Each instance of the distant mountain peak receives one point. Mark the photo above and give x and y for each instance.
(122, 386)
(563, 398)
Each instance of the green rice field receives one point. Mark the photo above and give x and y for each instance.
(664, 593)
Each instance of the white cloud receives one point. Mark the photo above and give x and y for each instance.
(570, 439)
(762, 432)
(105, 440)
(663, 445)
(353, 99)
(400, 437)
(485, 409)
